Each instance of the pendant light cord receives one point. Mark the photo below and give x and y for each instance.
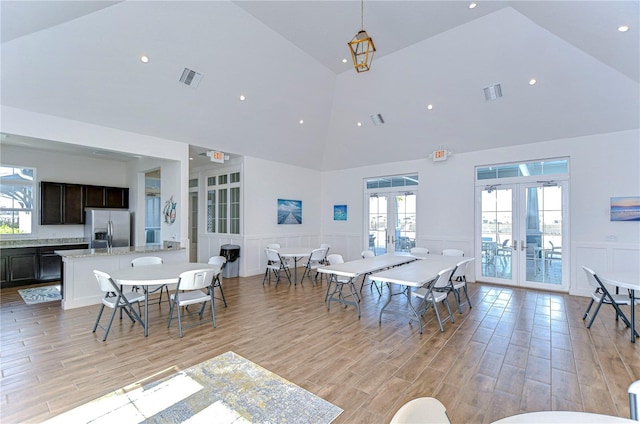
(361, 15)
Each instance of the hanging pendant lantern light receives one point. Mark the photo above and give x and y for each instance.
(361, 46)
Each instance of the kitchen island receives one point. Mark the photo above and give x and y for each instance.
(79, 285)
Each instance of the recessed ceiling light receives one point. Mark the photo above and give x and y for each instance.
(144, 59)
(472, 5)
(359, 124)
(242, 97)
(301, 121)
(532, 81)
(623, 28)
(344, 60)
(430, 106)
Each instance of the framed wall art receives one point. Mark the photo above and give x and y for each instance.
(625, 208)
(339, 212)
(289, 211)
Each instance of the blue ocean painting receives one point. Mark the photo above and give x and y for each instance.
(625, 208)
(340, 212)
(289, 211)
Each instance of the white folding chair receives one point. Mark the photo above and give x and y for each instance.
(459, 281)
(435, 292)
(452, 252)
(421, 410)
(116, 300)
(420, 252)
(369, 254)
(634, 395)
(189, 292)
(151, 260)
(218, 261)
(315, 261)
(339, 282)
(602, 295)
(277, 265)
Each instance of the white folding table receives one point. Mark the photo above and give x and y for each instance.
(631, 282)
(295, 253)
(151, 275)
(415, 274)
(353, 269)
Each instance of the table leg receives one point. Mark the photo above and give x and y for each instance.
(632, 294)
(415, 313)
(146, 313)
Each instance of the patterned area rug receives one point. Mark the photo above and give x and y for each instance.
(40, 294)
(224, 389)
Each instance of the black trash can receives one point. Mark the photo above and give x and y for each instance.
(232, 253)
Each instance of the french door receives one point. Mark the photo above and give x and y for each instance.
(520, 234)
(392, 222)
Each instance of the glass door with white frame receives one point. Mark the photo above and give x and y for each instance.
(521, 234)
(392, 222)
(521, 223)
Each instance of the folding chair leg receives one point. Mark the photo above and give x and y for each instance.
(586, 313)
(98, 319)
(595, 313)
(222, 294)
(113, 314)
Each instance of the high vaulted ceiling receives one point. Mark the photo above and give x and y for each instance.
(81, 60)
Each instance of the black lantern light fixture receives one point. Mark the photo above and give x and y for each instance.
(361, 46)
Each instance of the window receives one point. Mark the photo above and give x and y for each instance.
(16, 199)
(524, 169)
(223, 203)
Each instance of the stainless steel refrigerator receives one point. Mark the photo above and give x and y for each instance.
(105, 228)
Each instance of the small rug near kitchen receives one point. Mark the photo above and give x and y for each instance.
(224, 389)
(40, 294)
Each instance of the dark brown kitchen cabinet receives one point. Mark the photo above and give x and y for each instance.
(106, 197)
(61, 203)
(94, 196)
(72, 207)
(50, 264)
(3, 269)
(51, 199)
(22, 265)
(116, 197)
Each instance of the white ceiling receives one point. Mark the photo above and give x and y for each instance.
(80, 60)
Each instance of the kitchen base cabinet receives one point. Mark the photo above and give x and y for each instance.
(32, 265)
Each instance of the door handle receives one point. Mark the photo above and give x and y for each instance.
(523, 246)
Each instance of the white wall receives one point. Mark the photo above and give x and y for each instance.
(264, 183)
(63, 168)
(601, 166)
(173, 156)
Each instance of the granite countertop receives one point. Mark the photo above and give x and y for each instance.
(6, 244)
(83, 253)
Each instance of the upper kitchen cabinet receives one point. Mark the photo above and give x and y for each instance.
(61, 203)
(51, 195)
(106, 197)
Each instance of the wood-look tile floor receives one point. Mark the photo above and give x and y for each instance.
(516, 350)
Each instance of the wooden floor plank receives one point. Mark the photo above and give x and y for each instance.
(516, 350)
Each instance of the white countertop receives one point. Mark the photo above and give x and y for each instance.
(83, 253)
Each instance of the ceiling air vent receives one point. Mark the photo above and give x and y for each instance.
(377, 119)
(190, 77)
(493, 92)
